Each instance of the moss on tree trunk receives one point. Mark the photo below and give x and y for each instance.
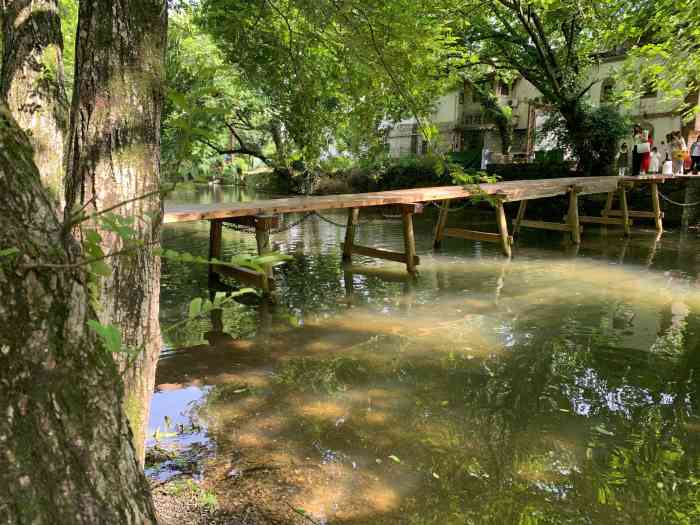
(66, 453)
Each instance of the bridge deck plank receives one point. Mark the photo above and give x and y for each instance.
(511, 191)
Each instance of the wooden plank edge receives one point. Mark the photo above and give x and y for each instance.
(636, 214)
(472, 235)
(244, 275)
(603, 220)
(545, 225)
(382, 254)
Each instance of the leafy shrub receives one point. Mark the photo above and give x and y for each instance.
(598, 134)
(469, 160)
(337, 164)
(533, 170)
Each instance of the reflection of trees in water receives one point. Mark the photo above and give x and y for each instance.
(640, 465)
(555, 431)
(577, 429)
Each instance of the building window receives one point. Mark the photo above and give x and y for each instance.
(504, 89)
(461, 97)
(424, 147)
(607, 90)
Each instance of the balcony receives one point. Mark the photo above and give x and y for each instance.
(476, 121)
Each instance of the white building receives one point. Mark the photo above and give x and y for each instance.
(463, 126)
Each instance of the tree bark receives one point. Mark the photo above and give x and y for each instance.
(32, 83)
(66, 454)
(115, 157)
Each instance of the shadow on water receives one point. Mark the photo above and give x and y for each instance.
(558, 387)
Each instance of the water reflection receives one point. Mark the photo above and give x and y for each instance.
(553, 388)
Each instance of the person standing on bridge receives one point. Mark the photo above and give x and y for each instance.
(680, 150)
(655, 163)
(695, 155)
(636, 157)
(623, 160)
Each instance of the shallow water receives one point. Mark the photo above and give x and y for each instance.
(558, 387)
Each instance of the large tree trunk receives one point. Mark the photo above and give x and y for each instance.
(115, 157)
(66, 454)
(31, 82)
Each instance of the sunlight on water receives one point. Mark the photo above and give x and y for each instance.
(558, 387)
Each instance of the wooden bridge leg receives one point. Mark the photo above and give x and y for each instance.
(608, 204)
(503, 228)
(409, 240)
(353, 216)
(519, 218)
(573, 216)
(441, 223)
(657, 207)
(263, 224)
(625, 210)
(215, 229)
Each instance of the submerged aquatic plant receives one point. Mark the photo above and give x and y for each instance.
(320, 375)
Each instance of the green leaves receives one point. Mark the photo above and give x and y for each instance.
(340, 78)
(109, 334)
(195, 307)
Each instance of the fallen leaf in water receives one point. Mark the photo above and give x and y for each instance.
(394, 459)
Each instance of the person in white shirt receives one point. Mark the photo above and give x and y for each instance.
(655, 162)
(695, 155)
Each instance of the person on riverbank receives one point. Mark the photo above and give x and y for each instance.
(695, 156)
(655, 161)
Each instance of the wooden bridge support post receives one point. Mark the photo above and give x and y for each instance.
(657, 207)
(624, 209)
(573, 218)
(409, 239)
(608, 205)
(503, 228)
(215, 229)
(519, 218)
(353, 217)
(263, 224)
(441, 223)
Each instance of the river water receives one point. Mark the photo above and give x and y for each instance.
(560, 387)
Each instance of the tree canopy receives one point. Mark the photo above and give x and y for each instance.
(333, 71)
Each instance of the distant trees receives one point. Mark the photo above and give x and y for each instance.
(332, 71)
(550, 44)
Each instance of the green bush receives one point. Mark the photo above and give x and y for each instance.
(597, 137)
(551, 169)
(469, 160)
(337, 164)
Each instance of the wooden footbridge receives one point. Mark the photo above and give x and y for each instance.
(263, 215)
